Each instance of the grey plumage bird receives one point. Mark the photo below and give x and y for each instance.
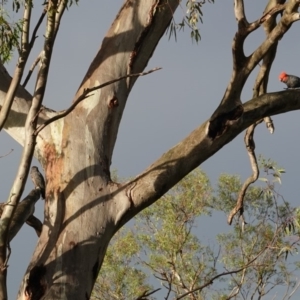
(291, 81)
(38, 180)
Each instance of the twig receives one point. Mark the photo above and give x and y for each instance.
(31, 70)
(266, 16)
(237, 288)
(209, 282)
(11, 150)
(37, 26)
(85, 95)
(146, 294)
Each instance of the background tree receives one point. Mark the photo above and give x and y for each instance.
(164, 245)
(84, 207)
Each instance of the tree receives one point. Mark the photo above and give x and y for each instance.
(163, 244)
(84, 208)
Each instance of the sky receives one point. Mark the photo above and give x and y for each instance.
(165, 106)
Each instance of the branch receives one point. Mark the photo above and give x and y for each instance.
(30, 138)
(260, 88)
(238, 286)
(85, 94)
(31, 70)
(263, 75)
(197, 147)
(210, 281)
(250, 145)
(288, 18)
(269, 13)
(145, 294)
(37, 26)
(25, 51)
(239, 11)
(230, 109)
(33, 38)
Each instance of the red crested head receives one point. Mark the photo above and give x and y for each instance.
(283, 76)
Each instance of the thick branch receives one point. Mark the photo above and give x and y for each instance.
(242, 66)
(197, 148)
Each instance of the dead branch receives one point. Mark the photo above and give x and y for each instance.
(85, 95)
(250, 145)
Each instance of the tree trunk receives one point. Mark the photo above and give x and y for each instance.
(83, 206)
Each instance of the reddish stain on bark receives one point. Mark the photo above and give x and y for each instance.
(54, 168)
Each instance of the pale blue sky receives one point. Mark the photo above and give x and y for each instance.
(167, 105)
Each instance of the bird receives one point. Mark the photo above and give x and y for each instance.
(291, 81)
(38, 180)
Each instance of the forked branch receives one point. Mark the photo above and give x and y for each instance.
(230, 110)
(260, 88)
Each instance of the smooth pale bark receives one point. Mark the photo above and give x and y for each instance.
(83, 207)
